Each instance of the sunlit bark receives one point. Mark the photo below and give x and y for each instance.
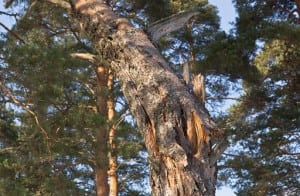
(106, 140)
(113, 163)
(176, 126)
(102, 162)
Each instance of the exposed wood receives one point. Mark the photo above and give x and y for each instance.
(170, 24)
(84, 56)
(186, 73)
(9, 150)
(61, 3)
(199, 87)
(163, 106)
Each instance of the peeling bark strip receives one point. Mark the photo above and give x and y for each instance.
(170, 24)
(176, 127)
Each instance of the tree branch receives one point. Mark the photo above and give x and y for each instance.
(170, 24)
(8, 14)
(61, 3)
(8, 3)
(217, 151)
(25, 107)
(84, 56)
(13, 33)
(9, 150)
(223, 98)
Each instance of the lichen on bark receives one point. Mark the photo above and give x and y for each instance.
(176, 127)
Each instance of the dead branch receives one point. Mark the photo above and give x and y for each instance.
(84, 56)
(61, 3)
(12, 33)
(170, 24)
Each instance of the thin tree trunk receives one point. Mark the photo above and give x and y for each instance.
(190, 40)
(105, 105)
(176, 127)
(102, 162)
(101, 179)
(113, 163)
(198, 81)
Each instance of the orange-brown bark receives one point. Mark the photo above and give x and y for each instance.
(102, 188)
(102, 163)
(107, 146)
(113, 164)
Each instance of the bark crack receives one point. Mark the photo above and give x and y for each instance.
(168, 127)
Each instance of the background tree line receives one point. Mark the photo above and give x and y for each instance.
(65, 125)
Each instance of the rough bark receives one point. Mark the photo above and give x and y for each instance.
(176, 127)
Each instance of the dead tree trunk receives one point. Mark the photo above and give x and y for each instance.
(176, 127)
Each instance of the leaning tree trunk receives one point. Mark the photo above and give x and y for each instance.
(176, 127)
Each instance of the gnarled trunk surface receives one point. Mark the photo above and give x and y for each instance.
(176, 127)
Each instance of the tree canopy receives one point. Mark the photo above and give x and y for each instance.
(56, 129)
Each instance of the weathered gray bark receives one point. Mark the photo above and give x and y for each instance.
(170, 24)
(176, 127)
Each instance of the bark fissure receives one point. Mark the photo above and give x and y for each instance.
(175, 125)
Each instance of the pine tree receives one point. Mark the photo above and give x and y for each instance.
(50, 78)
(192, 119)
(264, 125)
(55, 97)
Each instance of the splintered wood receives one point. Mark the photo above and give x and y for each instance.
(196, 132)
(199, 87)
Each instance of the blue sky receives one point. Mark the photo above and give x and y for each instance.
(8, 21)
(227, 14)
